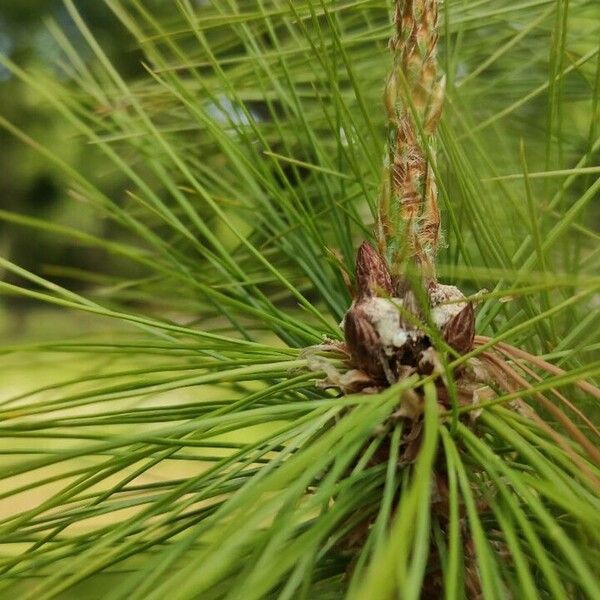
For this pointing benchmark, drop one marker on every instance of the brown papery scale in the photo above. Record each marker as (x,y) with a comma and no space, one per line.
(381,329)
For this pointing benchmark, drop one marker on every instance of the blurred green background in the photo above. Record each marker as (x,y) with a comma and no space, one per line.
(28,183)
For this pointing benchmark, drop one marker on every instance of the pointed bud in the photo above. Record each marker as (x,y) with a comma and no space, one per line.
(362,341)
(459,331)
(372,274)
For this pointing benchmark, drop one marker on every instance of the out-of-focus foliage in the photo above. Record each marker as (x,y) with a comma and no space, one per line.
(29,184)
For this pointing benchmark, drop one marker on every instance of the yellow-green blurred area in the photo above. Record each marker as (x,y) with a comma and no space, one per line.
(32,186)
(29,184)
